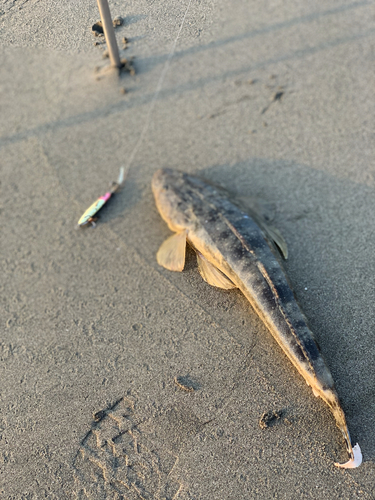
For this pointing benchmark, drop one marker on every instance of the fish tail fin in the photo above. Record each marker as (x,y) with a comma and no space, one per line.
(355,459)
(354,452)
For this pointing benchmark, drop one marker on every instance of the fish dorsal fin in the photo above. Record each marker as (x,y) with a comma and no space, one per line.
(172,251)
(263,213)
(274,234)
(262,209)
(212,275)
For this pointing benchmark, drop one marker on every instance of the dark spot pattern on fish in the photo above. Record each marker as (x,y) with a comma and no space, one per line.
(285,293)
(311,348)
(298,351)
(224,235)
(211,215)
(238,252)
(299,324)
(267,297)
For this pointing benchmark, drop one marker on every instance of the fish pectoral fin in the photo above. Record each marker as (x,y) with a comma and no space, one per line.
(212,275)
(172,251)
(277,238)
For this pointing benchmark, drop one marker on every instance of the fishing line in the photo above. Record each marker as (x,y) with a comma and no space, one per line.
(89,214)
(156,93)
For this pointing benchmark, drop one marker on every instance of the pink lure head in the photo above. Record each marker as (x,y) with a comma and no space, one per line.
(106,197)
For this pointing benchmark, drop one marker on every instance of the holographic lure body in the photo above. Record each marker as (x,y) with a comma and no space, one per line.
(89,214)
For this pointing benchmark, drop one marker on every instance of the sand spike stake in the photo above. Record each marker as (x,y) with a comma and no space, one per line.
(109,33)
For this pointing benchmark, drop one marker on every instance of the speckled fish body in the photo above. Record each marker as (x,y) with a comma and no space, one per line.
(231,240)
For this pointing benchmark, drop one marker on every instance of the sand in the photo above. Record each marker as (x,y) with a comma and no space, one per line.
(274,100)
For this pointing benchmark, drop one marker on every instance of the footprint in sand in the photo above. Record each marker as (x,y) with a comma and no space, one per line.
(116,460)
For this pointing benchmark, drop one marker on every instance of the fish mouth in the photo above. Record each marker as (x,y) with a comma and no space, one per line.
(158,179)
(166,187)
(162,180)
(161,189)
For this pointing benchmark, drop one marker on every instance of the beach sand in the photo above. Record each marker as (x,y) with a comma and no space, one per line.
(120,379)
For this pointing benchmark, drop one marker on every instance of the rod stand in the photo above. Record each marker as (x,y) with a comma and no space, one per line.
(109,33)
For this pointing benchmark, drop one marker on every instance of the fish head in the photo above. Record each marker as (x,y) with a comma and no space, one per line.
(173,198)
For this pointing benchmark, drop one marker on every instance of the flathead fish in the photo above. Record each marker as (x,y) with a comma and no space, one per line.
(236,248)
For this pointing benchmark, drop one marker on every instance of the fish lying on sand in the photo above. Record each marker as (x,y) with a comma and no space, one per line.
(236,249)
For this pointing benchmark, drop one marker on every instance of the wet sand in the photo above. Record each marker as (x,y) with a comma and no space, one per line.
(273,100)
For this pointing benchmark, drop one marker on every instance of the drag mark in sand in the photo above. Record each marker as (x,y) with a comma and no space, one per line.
(9,5)
(117,460)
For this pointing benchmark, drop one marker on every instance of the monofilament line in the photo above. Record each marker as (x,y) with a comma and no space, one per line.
(157,91)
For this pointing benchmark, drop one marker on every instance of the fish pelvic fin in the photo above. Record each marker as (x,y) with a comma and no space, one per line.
(212,275)
(172,252)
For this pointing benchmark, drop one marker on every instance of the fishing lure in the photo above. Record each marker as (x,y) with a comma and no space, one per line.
(88,216)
